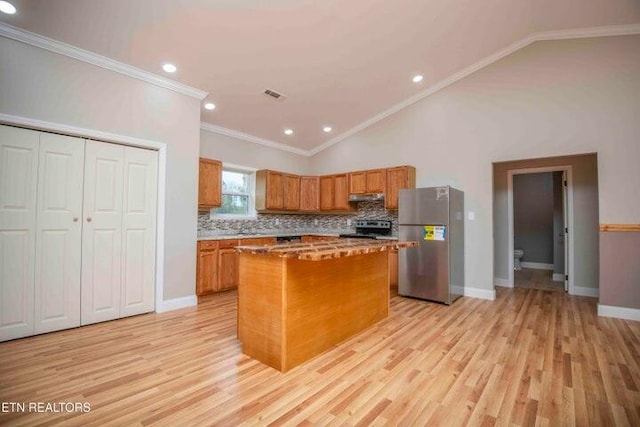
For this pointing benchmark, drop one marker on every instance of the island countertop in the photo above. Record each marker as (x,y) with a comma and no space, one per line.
(317,251)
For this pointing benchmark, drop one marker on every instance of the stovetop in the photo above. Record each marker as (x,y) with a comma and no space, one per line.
(370,229)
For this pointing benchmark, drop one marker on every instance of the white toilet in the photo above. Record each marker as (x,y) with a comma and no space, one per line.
(517,257)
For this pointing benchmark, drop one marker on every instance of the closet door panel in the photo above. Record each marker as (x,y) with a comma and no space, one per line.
(102,232)
(58,233)
(139,231)
(18,184)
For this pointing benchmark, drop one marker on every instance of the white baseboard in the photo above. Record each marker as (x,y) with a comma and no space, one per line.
(558,277)
(499,281)
(488,294)
(619,312)
(537,265)
(585,292)
(177,303)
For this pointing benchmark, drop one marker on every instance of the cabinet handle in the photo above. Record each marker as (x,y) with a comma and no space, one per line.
(75,219)
(88,219)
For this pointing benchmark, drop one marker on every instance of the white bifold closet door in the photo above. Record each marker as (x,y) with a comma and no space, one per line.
(118,239)
(58,233)
(18,189)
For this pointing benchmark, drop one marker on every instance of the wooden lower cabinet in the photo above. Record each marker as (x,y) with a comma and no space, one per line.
(227,265)
(207,267)
(217,266)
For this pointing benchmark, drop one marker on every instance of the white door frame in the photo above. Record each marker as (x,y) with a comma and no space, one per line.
(568,169)
(160,147)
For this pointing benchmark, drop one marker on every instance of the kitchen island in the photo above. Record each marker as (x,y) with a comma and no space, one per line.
(297,300)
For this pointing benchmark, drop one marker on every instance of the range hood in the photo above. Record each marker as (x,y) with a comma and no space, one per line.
(366,197)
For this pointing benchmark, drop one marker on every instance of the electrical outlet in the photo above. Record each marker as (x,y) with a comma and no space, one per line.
(277,221)
(315,221)
(348,222)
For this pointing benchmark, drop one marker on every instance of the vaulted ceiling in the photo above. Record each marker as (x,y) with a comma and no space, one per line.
(339,62)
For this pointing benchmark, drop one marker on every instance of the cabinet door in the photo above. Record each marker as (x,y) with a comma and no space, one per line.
(58,233)
(275,191)
(18,183)
(309,193)
(397,178)
(326,193)
(291,186)
(227,269)
(210,183)
(138,231)
(341,192)
(102,232)
(376,179)
(207,271)
(357,182)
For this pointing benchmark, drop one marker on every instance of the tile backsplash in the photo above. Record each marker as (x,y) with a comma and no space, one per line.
(263,222)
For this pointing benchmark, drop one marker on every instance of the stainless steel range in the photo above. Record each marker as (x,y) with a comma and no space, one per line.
(370,229)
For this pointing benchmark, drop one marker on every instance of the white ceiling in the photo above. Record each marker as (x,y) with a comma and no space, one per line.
(340,62)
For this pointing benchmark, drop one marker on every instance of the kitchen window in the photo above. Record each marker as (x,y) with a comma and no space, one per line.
(238,194)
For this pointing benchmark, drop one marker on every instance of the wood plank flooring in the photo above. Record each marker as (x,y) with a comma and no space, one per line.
(530,357)
(536,279)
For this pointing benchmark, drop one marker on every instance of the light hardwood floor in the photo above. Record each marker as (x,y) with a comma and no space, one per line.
(528,358)
(536,279)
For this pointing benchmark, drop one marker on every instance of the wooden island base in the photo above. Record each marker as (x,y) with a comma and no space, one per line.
(290,310)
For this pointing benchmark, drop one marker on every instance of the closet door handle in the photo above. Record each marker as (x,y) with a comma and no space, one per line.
(75,219)
(88,219)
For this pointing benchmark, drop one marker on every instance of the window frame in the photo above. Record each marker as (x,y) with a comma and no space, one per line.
(251,192)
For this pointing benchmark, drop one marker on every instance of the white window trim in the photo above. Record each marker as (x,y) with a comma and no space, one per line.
(252,193)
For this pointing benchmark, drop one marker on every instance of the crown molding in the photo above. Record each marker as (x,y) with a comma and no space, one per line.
(44,125)
(251,138)
(65,49)
(577,33)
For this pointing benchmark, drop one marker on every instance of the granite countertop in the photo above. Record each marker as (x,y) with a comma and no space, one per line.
(216,235)
(318,251)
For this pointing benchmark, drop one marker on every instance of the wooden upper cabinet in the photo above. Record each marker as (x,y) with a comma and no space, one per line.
(277,191)
(341,192)
(358,182)
(367,182)
(210,184)
(398,178)
(309,193)
(334,193)
(291,189)
(326,193)
(269,190)
(376,180)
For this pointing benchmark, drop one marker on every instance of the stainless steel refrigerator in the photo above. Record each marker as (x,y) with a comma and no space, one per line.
(434,270)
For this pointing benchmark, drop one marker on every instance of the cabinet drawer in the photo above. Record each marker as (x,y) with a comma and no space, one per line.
(222,244)
(256,241)
(207,245)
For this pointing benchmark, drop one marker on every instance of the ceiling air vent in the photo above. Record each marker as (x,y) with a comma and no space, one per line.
(275,95)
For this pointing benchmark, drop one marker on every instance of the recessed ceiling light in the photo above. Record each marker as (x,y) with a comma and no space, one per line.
(327,129)
(169,68)
(417,79)
(210,106)
(288,132)
(7,7)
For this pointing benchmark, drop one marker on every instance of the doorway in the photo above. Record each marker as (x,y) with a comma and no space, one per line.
(540,206)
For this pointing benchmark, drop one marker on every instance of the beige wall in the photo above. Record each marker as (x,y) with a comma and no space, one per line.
(551,98)
(38,84)
(243,153)
(620,272)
